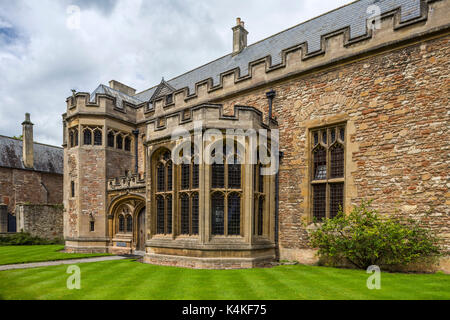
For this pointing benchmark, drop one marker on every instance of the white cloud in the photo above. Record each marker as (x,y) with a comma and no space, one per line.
(134,41)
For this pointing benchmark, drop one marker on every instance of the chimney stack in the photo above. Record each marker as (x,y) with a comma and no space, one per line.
(239,37)
(27,142)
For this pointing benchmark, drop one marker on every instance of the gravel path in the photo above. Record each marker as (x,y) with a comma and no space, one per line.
(59,262)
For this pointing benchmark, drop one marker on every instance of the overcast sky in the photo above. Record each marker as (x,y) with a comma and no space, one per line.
(44,53)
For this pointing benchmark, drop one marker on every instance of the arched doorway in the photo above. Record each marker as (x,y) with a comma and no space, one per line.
(140,235)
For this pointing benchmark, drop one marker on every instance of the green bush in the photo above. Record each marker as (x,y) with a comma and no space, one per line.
(364,238)
(23,239)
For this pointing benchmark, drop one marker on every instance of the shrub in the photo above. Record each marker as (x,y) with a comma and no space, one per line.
(23,238)
(364,238)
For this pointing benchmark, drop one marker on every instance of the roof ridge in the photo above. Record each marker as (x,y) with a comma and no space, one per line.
(34,142)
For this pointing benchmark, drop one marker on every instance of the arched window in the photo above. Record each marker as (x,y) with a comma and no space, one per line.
(194,213)
(164,192)
(87,137)
(119,141)
(188,197)
(98,137)
(328,162)
(127,144)
(121,223)
(226,190)
(129,223)
(111,139)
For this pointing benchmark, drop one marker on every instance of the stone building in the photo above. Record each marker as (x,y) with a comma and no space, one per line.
(353,106)
(31,185)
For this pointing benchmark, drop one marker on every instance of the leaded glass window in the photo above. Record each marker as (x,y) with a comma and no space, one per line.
(328,171)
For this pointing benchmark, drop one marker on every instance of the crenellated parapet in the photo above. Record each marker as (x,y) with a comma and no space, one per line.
(102,104)
(340,40)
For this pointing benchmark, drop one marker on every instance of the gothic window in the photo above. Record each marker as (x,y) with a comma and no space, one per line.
(226,191)
(328,166)
(87,137)
(119,141)
(127,144)
(92,226)
(129,223)
(111,139)
(98,138)
(121,223)
(164,190)
(72,189)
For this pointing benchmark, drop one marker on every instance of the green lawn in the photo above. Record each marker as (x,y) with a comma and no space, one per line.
(129,279)
(26,254)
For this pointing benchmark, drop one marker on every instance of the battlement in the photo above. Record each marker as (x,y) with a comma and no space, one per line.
(80,103)
(394,28)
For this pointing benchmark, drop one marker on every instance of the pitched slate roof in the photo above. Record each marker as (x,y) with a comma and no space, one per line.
(46,158)
(353,15)
(120,96)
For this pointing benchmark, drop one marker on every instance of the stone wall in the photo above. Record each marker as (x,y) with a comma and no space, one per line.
(27,186)
(396,108)
(44,221)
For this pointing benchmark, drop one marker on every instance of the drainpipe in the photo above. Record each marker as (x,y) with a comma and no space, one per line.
(277,205)
(136,155)
(270,96)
